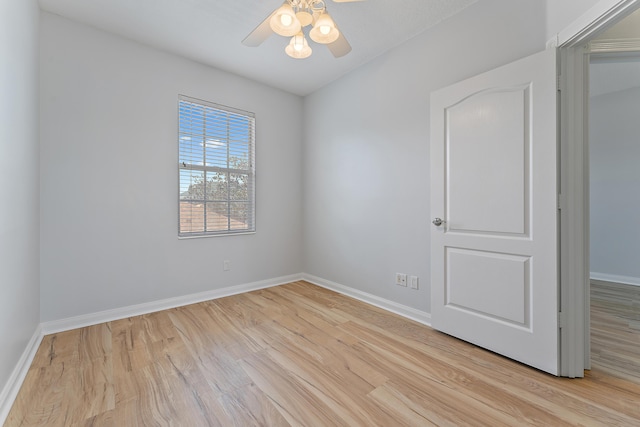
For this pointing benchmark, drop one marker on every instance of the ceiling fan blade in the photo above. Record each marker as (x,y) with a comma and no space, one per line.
(260,34)
(340,47)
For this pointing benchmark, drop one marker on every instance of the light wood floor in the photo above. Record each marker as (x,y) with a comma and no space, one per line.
(615,329)
(298,355)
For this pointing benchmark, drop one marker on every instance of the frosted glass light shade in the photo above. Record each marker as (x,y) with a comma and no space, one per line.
(298,47)
(324,30)
(284,21)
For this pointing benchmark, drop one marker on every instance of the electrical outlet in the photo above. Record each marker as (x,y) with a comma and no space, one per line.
(401,279)
(413,282)
(226,265)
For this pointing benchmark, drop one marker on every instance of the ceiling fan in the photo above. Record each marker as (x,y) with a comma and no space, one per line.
(291,20)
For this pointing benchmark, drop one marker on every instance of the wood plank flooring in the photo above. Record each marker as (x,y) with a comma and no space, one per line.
(615,329)
(298,355)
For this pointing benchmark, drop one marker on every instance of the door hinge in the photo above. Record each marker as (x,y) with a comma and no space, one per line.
(560,202)
(562,320)
(559,82)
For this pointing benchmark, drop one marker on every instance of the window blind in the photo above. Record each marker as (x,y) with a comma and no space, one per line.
(216,169)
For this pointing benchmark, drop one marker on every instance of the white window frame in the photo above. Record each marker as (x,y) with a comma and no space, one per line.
(204,167)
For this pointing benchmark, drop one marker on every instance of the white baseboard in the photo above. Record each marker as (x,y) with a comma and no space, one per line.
(627,280)
(13,384)
(67,324)
(402,310)
(70,323)
(11,388)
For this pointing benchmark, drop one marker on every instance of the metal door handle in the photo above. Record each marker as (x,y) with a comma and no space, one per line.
(437,222)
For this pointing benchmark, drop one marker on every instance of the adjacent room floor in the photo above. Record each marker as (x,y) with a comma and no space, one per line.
(615,329)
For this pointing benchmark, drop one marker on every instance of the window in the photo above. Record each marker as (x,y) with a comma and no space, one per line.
(217,169)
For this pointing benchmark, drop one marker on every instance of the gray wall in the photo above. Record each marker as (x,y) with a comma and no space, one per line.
(562,13)
(366,152)
(614,139)
(19,170)
(109,185)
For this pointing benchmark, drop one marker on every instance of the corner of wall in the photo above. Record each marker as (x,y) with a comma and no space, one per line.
(11,388)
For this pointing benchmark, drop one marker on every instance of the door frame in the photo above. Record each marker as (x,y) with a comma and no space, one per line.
(573,200)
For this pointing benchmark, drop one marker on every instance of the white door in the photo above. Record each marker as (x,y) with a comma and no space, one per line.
(494,256)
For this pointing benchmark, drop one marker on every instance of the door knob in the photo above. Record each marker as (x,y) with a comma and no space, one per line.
(437,222)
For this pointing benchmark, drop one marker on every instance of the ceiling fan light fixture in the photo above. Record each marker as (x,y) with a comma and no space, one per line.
(324,31)
(304,17)
(298,47)
(284,22)
(290,19)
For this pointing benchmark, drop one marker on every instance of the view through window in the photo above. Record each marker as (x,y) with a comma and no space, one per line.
(217,169)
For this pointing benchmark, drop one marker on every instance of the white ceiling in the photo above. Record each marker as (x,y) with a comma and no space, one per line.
(211,31)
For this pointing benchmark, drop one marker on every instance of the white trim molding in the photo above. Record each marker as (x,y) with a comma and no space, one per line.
(81,321)
(626,280)
(601,15)
(385,304)
(90,319)
(13,384)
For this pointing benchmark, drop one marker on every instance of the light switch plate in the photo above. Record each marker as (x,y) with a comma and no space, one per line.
(413,282)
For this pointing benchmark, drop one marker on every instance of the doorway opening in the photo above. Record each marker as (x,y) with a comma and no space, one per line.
(614,180)
(588,38)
